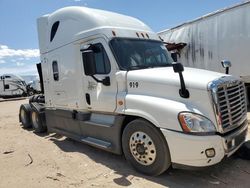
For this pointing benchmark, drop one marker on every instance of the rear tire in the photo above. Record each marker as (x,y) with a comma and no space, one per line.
(37,122)
(24,115)
(31,99)
(145,148)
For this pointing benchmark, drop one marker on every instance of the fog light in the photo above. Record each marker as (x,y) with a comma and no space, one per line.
(210,152)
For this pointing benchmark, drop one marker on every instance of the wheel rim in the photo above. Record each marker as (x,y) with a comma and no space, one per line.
(23,116)
(31,93)
(35,120)
(142,148)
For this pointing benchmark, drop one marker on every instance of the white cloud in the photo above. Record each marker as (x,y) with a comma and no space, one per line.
(3,47)
(77,0)
(23,70)
(6,52)
(19,64)
(2,61)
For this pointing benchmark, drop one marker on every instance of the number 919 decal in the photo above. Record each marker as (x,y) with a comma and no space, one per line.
(133,84)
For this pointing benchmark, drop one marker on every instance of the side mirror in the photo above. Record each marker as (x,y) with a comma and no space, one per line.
(226,64)
(89,62)
(178,67)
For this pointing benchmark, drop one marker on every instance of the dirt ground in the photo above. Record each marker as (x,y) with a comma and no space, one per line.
(50,160)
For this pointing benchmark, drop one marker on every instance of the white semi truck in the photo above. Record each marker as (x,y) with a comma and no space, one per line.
(109,81)
(34,87)
(12,86)
(206,41)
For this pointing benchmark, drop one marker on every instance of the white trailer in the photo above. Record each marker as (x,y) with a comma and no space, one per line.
(12,86)
(224,34)
(109,81)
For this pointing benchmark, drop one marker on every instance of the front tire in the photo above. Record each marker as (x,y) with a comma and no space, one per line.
(145,148)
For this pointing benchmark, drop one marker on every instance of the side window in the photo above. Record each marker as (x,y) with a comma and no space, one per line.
(101,59)
(7,86)
(54,30)
(55,70)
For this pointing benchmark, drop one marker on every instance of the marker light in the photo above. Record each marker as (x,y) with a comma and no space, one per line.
(210,153)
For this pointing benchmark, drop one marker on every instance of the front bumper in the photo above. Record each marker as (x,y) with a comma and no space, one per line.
(190,150)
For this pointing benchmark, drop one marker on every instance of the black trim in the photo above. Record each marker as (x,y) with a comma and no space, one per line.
(80,115)
(40,73)
(192,133)
(82,127)
(54,30)
(38,107)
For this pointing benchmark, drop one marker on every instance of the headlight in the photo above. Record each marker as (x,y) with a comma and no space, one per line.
(195,123)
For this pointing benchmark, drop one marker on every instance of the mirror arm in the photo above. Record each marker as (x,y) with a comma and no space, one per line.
(105,81)
(184,93)
(178,68)
(99,81)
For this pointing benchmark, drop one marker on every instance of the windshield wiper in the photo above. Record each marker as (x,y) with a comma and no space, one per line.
(152,65)
(135,67)
(162,65)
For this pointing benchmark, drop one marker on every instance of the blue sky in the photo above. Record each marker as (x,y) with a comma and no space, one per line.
(18,35)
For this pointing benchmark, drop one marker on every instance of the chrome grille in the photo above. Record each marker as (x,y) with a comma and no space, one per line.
(230,103)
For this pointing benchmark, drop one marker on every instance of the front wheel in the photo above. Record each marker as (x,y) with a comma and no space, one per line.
(145,148)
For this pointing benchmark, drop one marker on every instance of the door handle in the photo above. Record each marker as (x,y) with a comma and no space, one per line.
(87,96)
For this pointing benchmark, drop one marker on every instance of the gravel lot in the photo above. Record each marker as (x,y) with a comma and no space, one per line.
(50,160)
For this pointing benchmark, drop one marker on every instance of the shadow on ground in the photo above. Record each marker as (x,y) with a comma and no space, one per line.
(232,172)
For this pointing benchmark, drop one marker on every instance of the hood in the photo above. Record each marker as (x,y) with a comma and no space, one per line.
(194,78)
(165,83)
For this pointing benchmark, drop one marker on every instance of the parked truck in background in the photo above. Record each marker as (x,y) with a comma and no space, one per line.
(108,81)
(203,43)
(12,86)
(33,87)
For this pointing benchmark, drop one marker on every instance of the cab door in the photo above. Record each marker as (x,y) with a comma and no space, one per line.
(101,97)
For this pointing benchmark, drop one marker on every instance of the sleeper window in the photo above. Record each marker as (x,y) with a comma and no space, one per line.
(55,70)
(54,30)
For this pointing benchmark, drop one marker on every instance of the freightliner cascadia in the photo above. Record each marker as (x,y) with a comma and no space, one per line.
(109,81)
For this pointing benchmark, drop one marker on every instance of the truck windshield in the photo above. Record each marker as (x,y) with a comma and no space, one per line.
(133,54)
